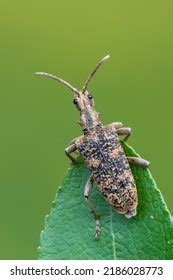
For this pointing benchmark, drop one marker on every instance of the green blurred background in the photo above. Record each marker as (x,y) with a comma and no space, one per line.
(37,116)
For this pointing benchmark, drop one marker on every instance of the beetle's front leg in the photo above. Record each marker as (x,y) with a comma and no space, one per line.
(139,161)
(116,125)
(70,149)
(127,131)
(121,130)
(87,192)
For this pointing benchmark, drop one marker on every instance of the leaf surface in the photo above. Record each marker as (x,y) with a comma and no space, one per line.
(69,228)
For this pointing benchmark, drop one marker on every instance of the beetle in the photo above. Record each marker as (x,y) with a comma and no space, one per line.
(101,148)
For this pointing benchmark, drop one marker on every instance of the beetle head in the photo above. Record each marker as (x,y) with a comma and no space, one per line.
(89,118)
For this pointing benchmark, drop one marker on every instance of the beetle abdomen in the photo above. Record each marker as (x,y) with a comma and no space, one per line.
(105,158)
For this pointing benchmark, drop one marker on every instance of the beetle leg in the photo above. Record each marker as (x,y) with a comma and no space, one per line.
(74,140)
(87,192)
(139,161)
(124,131)
(70,149)
(88,187)
(116,125)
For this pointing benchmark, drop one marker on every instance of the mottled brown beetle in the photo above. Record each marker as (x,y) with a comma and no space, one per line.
(102,151)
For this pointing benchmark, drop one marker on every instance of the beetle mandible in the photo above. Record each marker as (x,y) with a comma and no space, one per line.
(102,151)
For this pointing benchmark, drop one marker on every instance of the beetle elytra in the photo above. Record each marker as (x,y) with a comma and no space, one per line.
(102,151)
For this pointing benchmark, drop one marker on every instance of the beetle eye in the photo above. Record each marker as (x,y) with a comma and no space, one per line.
(75,101)
(90,96)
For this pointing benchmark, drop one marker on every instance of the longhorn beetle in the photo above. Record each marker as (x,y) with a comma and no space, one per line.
(102,151)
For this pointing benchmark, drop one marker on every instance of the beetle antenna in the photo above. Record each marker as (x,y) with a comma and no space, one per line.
(57,79)
(93,72)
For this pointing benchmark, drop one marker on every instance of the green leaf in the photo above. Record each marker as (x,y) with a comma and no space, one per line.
(69,228)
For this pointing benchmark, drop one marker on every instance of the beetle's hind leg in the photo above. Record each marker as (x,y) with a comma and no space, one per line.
(139,161)
(87,192)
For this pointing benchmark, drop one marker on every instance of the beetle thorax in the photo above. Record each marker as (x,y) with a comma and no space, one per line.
(89,119)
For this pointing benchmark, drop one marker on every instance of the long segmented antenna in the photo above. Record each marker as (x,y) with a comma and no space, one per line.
(93,72)
(59,80)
